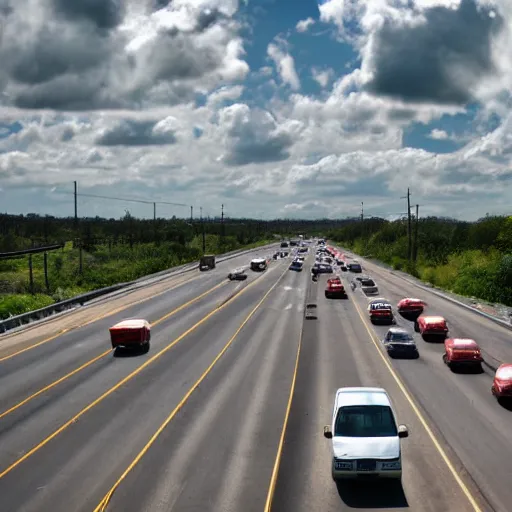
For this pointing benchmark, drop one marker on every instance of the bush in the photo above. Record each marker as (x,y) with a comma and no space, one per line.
(467,258)
(12,305)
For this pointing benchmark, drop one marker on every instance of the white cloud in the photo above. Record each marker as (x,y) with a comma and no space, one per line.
(322,76)
(303,25)
(183,125)
(438,134)
(285,65)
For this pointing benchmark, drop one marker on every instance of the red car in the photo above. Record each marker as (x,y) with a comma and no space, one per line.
(410,305)
(502,384)
(134,333)
(432,326)
(335,288)
(462,351)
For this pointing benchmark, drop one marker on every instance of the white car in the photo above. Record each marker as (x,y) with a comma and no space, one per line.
(365,435)
(258,264)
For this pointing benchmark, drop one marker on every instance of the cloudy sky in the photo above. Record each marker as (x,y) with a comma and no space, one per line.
(274,108)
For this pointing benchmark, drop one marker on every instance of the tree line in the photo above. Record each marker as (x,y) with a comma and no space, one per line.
(469,258)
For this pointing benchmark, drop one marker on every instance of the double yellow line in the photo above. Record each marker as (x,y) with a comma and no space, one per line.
(103,354)
(106,499)
(134,373)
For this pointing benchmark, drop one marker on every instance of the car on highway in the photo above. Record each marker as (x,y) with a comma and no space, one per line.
(258,264)
(410,307)
(355,267)
(134,333)
(502,382)
(207,262)
(321,268)
(380,311)
(432,326)
(335,289)
(369,287)
(296,265)
(365,437)
(237,275)
(400,343)
(462,352)
(341,265)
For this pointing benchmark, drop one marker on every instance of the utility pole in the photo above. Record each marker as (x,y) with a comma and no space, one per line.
(362,218)
(154,222)
(409,230)
(76,211)
(191,214)
(76,205)
(202,229)
(415,253)
(222,225)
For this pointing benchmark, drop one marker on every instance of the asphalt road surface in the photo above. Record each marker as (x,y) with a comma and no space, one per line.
(198,422)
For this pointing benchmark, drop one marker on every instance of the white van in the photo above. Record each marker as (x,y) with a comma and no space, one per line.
(365,435)
(258,264)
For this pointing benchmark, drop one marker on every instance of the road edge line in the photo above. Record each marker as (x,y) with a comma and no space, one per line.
(124,380)
(102,506)
(408,396)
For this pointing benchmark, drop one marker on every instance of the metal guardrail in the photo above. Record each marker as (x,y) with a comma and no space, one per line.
(35,250)
(39,314)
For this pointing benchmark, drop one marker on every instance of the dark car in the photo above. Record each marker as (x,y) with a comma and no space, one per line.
(355,267)
(296,265)
(321,268)
(399,343)
(369,287)
(237,275)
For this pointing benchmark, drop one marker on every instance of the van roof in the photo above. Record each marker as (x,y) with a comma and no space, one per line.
(361,396)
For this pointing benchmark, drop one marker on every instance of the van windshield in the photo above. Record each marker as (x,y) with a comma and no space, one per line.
(365,421)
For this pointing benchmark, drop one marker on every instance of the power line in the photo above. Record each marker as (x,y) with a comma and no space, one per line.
(124,199)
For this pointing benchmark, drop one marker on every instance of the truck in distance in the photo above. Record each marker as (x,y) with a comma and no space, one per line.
(207,262)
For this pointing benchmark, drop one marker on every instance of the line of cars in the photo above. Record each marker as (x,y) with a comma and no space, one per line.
(458,352)
(364,433)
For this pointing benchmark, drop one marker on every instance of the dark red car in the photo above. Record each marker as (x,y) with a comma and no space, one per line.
(432,326)
(411,305)
(134,333)
(335,288)
(462,352)
(502,384)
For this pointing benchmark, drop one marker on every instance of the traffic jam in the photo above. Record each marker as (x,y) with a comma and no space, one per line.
(458,352)
(364,432)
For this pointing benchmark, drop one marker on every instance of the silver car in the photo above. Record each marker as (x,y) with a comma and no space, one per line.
(365,435)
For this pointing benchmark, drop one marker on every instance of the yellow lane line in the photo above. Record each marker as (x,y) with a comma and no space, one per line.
(96,319)
(123,381)
(419,415)
(97,358)
(55,383)
(106,499)
(277,463)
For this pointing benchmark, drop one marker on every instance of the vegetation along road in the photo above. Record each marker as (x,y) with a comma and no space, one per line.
(226,411)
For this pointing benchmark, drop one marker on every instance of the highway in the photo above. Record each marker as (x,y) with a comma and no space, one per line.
(206,420)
